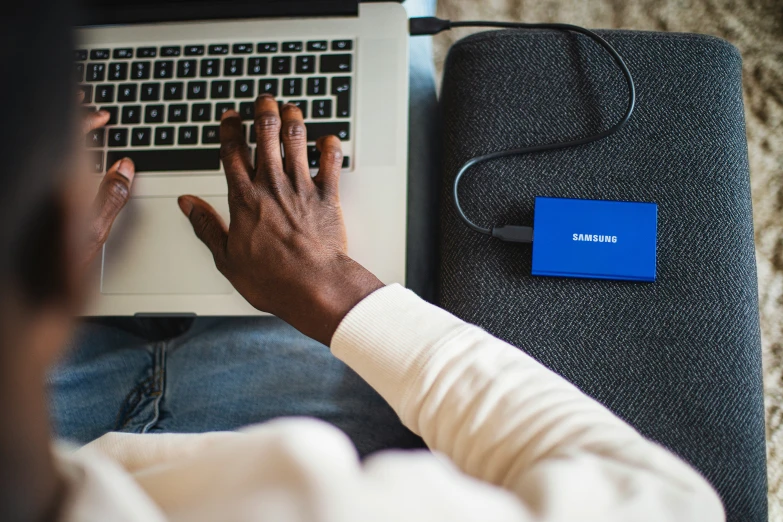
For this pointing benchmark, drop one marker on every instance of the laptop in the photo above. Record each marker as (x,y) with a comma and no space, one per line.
(167,69)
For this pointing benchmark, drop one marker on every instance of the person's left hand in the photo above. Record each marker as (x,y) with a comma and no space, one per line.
(113,193)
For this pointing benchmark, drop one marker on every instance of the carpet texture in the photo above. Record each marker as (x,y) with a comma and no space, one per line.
(756,28)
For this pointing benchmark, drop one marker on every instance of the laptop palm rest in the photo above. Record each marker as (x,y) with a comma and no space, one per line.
(153,250)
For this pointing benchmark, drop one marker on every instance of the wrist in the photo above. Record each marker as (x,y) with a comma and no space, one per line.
(339,289)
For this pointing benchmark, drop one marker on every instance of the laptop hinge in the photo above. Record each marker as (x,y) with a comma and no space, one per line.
(102,12)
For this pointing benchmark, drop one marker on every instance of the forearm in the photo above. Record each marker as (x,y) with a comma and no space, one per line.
(504,418)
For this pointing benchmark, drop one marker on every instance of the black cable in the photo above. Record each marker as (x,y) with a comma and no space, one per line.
(432,25)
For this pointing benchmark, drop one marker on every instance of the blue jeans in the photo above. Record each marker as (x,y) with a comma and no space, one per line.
(208,374)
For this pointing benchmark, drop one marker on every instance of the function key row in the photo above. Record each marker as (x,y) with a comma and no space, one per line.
(126,53)
(211,67)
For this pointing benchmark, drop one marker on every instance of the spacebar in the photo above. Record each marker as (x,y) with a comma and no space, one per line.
(169,160)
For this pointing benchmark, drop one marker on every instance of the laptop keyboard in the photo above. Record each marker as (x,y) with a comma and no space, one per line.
(166,101)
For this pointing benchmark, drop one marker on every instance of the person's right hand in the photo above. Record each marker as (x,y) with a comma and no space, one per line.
(285,249)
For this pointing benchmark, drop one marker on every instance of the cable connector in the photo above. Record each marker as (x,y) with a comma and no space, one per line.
(428,25)
(513,233)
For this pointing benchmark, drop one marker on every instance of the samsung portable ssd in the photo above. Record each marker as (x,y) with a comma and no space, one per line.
(595,239)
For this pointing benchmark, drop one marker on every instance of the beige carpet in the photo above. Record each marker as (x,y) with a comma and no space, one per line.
(756,28)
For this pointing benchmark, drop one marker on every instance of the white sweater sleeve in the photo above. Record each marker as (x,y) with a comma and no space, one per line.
(503,418)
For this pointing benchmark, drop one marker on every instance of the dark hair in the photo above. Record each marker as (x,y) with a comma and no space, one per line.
(39,95)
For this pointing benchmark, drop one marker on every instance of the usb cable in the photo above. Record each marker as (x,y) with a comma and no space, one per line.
(515,233)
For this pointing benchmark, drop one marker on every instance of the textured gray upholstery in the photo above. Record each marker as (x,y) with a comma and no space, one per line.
(680,359)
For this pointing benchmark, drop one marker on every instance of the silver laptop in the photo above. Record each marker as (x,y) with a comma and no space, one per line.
(167,69)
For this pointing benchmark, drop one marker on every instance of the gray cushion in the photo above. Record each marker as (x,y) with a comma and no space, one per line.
(680,359)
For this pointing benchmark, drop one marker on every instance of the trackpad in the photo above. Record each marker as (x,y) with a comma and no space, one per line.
(153,250)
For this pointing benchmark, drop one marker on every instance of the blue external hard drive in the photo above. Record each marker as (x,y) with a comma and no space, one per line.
(594,239)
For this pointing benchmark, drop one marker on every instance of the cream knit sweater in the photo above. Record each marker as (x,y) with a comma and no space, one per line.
(510,440)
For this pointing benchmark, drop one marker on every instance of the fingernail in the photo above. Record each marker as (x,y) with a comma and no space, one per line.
(185,206)
(125,168)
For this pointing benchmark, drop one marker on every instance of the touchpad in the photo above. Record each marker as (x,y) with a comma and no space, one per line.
(152,250)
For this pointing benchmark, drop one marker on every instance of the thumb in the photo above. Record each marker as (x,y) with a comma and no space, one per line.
(208,226)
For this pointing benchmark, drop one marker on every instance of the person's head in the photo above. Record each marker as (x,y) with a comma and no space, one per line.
(38,155)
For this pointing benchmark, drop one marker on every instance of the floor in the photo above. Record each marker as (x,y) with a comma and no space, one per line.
(756,28)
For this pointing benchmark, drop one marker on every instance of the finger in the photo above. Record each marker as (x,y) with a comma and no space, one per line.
(208,226)
(267,123)
(234,152)
(80,96)
(113,194)
(95,120)
(331,163)
(294,135)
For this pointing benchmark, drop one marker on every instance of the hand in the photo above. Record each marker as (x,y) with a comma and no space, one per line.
(113,193)
(285,250)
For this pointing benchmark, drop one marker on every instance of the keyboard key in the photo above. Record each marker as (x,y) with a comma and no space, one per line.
(281,65)
(316,86)
(112,115)
(194,50)
(268,87)
(343,105)
(126,92)
(96,138)
(186,69)
(140,71)
(318,45)
(104,94)
(302,104)
(242,48)
(341,129)
(341,84)
(118,72)
(79,69)
(147,52)
(292,87)
(173,90)
(150,92)
(141,137)
(244,89)
(313,156)
(87,90)
(80,55)
(188,135)
(218,49)
(99,54)
(234,67)
(118,138)
(170,160)
(267,47)
(210,134)
(305,64)
(346,162)
(247,110)
(292,47)
(197,90)
(210,67)
(201,112)
(220,108)
(171,51)
(131,114)
(178,113)
(153,114)
(164,136)
(336,63)
(322,108)
(256,66)
(220,89)
(164,69)
(96,72)
(125,53)
(342,45)
(96,161)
